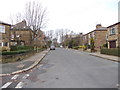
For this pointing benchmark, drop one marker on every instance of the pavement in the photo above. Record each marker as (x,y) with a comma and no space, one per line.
(22,66)
(104,56)
(108,57)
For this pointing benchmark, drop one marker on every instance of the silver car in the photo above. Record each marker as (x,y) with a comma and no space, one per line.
(52,47)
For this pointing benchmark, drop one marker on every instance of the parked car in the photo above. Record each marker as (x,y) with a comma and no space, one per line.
(52,47)
(61,46)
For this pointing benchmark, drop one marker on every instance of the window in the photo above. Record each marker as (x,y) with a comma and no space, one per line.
(0,44)
(2,29)
(17,36)
(112,31)
(106,36)
(88,35)
(12,36)
(93,34)
(5,43)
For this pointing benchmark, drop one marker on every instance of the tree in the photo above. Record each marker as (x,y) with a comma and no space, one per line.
(92,46)
(50,34)
(35,15)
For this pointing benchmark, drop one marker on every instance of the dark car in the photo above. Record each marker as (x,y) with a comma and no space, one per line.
(52,47)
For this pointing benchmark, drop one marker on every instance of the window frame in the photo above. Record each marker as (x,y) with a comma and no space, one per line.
(2,29)
(112,31)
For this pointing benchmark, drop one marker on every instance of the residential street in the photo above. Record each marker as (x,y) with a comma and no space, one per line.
(65,68)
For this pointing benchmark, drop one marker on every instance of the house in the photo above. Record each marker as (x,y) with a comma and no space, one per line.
(39,39)
(113,35)
(98,35)
(4,34)
(21,34)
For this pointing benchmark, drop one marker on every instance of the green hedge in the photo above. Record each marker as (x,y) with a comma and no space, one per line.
(14,52)
(113,51)
(76,47)
(15,48)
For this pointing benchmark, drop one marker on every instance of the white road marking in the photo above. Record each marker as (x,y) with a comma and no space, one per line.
(6,85)
(27,75)
(14,77)
(19,85)
(41,65)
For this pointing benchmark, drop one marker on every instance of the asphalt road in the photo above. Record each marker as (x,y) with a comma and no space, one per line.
(63,68)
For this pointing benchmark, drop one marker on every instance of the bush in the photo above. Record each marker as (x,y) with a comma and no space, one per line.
(15,48)
(105,45)
(83,47)
(14,52)
(76,47)
(4,48)
(113,51)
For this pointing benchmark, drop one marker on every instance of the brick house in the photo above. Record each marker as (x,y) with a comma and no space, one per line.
(99,36)
(113,35)
(39,40)
(4,34)
(21,34)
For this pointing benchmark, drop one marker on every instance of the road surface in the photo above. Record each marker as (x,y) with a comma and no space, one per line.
(65,68)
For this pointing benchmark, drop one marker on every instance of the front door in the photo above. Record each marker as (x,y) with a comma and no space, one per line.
(112,44)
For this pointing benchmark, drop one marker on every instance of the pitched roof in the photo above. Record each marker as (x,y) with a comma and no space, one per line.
(1,22)
(113,24)
(20,25)
(97,29)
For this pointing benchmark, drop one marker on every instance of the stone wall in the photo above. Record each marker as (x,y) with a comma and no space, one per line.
(16,57)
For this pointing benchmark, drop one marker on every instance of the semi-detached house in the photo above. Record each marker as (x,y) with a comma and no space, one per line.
(99,36)
(4,34)
(113,35)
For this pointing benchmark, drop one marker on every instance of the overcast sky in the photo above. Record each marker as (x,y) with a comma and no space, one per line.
(76,15)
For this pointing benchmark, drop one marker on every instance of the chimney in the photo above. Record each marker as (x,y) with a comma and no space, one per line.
(98,26)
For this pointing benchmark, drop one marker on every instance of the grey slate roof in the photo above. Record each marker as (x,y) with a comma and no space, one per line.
(20,25)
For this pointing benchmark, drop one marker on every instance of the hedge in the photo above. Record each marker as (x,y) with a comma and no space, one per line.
(14,52)
(20,51)
(76,47)
(15,48)
(113,51)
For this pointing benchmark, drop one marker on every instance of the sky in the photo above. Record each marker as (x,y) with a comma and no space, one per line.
(76,15)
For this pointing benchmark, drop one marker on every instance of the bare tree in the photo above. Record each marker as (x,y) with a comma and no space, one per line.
(62,33)
(35,15)
(19,17)
(50,34)
(15,18)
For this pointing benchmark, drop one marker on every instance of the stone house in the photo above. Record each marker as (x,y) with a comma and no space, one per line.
(21,34)
(99,36)
(113,35)
(4,34)
(39,39)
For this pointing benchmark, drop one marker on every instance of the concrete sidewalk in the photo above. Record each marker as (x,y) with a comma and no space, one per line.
(98,54)
(22,66)
(109,57)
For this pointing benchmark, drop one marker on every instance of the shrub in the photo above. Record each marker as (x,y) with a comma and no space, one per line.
(15,48)
(105,45)
(4,48)
(14,52)
(113,51)
(76,47)
(82,47)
